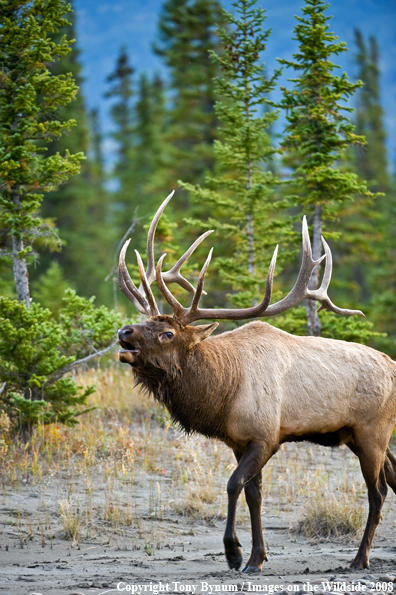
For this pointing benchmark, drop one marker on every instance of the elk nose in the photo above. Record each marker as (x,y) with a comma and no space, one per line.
(124,334)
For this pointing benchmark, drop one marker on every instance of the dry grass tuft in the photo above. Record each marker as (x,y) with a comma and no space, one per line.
(329,516)
(72,520)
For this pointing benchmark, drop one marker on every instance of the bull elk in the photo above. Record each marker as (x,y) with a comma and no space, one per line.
(257,387)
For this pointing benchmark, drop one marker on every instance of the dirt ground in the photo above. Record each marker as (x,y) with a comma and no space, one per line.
(159,536)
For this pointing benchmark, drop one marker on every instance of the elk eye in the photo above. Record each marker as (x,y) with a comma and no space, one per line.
(167,335)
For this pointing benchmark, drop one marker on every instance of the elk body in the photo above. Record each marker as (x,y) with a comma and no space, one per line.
(257,387)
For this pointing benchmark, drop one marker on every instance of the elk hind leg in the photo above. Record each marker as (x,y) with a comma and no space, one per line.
(390,469)
(250,464)
(372,462)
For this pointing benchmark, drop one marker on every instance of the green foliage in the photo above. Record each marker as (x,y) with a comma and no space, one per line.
(350,328)
(80,208)
(37,354)
(187,34)
(372,161)
(138,131)
(240,193)
(318,134)
(50,287)
(318,131)
(30,97)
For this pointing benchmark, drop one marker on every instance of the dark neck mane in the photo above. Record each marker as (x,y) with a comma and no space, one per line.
(198,390)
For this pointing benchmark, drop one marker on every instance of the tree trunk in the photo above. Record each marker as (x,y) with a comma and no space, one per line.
(21,275)
(313,322)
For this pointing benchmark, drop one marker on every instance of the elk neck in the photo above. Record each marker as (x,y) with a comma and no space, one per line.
(198,387)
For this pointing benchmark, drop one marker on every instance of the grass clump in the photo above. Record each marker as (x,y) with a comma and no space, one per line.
(328,516)
(72,520)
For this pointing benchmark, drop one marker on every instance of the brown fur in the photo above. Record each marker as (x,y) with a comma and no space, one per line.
(257,387)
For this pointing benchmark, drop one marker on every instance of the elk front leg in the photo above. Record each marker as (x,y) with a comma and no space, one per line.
(253,493)
(250,464)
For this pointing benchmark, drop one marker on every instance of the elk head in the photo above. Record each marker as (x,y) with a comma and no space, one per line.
(162,339)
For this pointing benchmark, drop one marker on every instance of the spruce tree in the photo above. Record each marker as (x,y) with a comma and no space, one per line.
(240,193)
(30,99)
(79,207)
(148,152)
(372,163)
(371,160)
(318,131)
(187,33)
(38,353)
(121,93)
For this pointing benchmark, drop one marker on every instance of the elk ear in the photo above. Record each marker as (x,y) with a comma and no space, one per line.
(203,331)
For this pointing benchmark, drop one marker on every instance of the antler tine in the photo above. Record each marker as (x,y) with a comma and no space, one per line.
(270,278)
(172,301)
(194,313)
(299,292)
(201,280)
(128,287)
(146,286)
(328,266)
(173,276)
(150,271)
(321,293)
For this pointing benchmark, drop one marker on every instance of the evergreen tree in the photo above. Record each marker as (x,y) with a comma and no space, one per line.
(371,160)
(240,194)
(96,153)
(187,33)
(36,352)
(318,132)
(149,152)
(372,163)
(77,207)
(30,98)
(121,112)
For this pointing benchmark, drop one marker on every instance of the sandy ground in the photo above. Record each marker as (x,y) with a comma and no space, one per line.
(179,551)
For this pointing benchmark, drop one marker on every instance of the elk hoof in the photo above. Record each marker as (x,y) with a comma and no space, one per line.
(234,560)
(358,563)
(251,570)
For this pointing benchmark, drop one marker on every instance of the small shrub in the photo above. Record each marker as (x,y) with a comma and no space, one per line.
(37,353)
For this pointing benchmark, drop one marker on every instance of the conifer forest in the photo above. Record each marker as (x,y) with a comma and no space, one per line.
(205,125)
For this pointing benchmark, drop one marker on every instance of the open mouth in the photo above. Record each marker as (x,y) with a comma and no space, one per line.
(128,347)
(128,354)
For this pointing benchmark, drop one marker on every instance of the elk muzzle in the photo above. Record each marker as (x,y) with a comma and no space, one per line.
(129,353)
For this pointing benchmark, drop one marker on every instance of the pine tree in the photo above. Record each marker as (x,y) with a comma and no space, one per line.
(77,207)
(371,159)
(318,132)
(37,353)
(372,163)
(187,33)
(148,152)
(240,194)
(121,93)
(96,154)
(30,99)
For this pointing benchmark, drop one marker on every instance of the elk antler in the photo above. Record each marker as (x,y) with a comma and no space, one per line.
(299,292)
(143,298)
